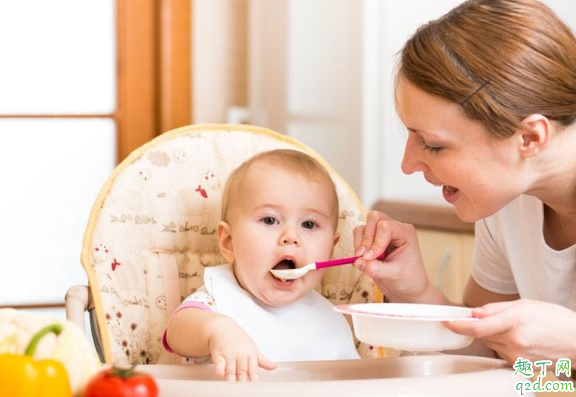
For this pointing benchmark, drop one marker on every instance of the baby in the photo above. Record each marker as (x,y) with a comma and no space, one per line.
(279,211)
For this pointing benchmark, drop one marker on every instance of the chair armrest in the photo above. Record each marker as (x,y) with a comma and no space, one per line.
(77,303)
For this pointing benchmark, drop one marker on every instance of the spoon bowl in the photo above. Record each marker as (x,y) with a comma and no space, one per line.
(292,274)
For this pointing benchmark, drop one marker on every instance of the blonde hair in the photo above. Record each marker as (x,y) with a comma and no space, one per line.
(501,60)
(288,159)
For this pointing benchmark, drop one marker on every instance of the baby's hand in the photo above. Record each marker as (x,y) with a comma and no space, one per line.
(235,355)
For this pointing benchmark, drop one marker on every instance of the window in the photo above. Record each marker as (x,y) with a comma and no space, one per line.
(83,84)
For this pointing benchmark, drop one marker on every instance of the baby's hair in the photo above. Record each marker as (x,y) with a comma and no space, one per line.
(501,60)
(292,160)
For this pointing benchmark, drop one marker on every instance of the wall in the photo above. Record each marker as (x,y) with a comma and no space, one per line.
(219,58)
(397,21)
(306,76)
(321,71)
(304,71)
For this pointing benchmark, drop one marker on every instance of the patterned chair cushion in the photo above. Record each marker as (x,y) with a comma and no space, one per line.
(161,205)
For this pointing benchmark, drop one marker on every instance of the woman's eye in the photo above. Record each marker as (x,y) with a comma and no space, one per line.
(431,149)
(268,220)
(308,225)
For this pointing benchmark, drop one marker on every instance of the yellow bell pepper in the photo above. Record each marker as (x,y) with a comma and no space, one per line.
(22,376)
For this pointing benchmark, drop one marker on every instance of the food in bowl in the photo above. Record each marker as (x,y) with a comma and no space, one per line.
(408,326)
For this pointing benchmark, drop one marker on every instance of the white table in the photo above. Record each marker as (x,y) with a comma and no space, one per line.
(424,375)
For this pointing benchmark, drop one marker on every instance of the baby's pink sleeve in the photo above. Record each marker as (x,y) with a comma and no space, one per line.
(200,299)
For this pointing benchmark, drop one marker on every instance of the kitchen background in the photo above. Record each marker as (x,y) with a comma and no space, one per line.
(85,82)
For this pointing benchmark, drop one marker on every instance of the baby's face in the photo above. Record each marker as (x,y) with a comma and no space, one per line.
(285,220)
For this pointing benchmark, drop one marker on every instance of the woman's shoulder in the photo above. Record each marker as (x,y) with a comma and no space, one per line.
(521,216)
(522,207)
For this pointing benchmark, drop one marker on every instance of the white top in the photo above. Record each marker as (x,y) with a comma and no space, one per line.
(512,257)
(306,330)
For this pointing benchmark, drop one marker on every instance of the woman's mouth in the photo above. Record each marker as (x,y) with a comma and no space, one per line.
(450,193)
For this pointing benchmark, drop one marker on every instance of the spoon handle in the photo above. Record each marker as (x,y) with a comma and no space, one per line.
(342,261)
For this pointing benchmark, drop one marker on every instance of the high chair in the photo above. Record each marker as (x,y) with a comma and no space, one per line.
(152,231)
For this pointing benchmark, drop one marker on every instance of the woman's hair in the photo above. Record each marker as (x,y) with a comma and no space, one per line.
(291,160)
(501,60)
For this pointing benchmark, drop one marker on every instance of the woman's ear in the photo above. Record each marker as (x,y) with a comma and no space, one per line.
(535,137)
(225,241)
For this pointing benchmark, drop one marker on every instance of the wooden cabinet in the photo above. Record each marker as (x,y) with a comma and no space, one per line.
(447,257)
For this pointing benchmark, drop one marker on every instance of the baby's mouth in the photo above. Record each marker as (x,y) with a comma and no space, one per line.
(284,265)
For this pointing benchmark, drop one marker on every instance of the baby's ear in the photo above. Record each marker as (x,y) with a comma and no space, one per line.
(336,238)
(225,241)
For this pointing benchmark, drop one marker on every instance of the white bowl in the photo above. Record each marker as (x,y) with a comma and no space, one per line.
(408,326)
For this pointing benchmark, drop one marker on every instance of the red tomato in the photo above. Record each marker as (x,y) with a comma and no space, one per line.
(119,382)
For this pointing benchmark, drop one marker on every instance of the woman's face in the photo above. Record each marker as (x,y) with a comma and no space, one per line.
(478,173)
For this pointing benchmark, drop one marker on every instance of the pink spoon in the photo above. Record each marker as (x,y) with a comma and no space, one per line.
(291,274)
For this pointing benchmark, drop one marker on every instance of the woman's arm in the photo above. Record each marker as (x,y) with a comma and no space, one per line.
(476,296)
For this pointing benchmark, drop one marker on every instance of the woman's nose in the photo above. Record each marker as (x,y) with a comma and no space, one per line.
(410,162)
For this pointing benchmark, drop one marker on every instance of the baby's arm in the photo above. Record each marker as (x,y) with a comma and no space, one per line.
(194,332)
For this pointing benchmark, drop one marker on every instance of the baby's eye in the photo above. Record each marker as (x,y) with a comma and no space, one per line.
(268,220)
(308,224)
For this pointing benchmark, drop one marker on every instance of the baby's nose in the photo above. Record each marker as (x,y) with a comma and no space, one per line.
(290,237)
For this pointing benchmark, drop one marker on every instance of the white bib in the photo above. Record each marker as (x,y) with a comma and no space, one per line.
(306,330)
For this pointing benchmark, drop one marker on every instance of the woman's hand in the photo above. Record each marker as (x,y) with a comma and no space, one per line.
(523,328)
(401,276)
(235,355)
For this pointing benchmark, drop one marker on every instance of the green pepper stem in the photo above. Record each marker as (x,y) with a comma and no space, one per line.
(55,328)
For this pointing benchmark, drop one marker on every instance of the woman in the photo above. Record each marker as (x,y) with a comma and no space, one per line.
(488,96)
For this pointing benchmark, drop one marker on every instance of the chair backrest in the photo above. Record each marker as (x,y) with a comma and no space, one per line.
(152,231)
